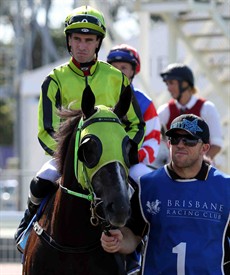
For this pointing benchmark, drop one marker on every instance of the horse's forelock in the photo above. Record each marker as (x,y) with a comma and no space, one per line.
(63,136)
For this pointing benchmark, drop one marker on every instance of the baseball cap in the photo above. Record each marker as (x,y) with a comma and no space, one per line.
(192,124)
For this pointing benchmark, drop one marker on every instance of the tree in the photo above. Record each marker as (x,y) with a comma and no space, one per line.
(6,121)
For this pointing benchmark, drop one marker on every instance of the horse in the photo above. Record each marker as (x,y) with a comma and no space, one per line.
(93,155)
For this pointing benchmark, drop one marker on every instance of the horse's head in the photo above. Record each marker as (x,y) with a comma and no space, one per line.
(103,153)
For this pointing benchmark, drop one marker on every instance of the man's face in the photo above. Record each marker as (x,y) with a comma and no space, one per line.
(83,46)
(184,156)
(125,68)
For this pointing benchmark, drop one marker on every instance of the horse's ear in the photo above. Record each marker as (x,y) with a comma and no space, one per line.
(123,104)
(88,102)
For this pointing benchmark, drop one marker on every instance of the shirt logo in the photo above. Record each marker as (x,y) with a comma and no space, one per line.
(153,207)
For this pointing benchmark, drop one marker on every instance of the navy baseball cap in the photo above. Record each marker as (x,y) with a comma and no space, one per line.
(192,124)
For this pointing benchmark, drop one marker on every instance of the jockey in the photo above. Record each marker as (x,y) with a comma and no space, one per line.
(127,59)
(180,82)
(84,30)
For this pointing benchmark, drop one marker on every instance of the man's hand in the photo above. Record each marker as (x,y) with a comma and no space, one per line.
(120,240)
(111,242)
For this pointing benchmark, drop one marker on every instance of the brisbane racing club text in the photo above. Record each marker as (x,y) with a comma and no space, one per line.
(194,209)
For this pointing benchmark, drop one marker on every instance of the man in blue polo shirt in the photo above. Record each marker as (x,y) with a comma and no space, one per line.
(185,207)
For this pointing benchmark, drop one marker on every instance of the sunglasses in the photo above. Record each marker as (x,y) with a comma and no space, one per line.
(187,140)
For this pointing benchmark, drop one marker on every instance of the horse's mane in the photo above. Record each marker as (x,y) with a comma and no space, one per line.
(63,136)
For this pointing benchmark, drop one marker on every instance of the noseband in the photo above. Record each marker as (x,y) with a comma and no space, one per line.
(94,203)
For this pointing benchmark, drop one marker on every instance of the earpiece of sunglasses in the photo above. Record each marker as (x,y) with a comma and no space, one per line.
(187,140)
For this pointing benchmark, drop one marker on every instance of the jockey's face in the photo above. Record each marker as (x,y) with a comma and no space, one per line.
(83,46)
(125,68)
(173,88)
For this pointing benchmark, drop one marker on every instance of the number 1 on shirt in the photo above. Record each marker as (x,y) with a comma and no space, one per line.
(180,250)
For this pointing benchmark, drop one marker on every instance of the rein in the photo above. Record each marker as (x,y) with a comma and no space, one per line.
(95,202)
(95,221)
(89,197)
(67,249)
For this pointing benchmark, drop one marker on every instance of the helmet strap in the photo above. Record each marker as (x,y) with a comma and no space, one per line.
(134,71)
(67,44)
(181,90)
(99,46)
(131,78)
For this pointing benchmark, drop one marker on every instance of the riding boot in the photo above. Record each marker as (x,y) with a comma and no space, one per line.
(39,189)
(28,215)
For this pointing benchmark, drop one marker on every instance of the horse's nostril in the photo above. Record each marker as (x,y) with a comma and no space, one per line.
(113,208)
(110,207)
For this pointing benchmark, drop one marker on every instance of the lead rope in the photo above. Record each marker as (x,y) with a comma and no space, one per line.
(119,258)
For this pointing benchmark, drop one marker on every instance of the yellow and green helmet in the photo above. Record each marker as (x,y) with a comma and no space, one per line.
(85,20)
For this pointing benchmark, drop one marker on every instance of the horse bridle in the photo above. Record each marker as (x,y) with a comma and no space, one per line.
(95,218)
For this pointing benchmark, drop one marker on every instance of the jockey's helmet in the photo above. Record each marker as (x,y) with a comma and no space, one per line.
(85,20)
(125,53)
(179,72)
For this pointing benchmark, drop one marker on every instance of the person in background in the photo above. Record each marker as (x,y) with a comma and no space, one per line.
(126,58)
(180,82)
(184,207)
(84,30)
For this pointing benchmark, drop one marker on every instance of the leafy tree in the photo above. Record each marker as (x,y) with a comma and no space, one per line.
(6,121)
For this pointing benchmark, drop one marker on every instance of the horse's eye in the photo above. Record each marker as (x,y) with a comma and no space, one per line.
(130,151)
(90,151)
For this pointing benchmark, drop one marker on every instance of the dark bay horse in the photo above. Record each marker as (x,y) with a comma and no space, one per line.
(93,157)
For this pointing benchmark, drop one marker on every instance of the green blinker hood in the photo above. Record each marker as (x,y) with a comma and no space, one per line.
(106,126)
